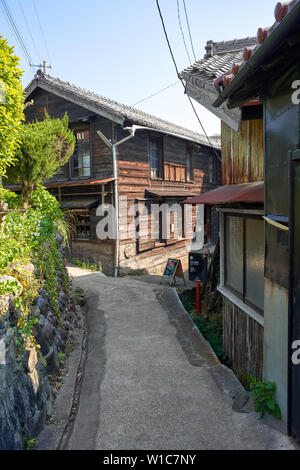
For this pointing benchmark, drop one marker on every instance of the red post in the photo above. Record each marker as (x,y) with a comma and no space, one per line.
(198,297)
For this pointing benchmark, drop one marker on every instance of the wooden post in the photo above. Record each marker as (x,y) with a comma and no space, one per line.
(198,297)
(102,195)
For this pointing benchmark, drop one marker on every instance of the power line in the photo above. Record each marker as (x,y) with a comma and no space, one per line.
(29,31)
(189,29)
(156,93)
(182,33)
(42,31)
(178,75)
(15,30)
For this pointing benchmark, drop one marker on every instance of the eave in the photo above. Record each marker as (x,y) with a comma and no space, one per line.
(69,96)
(241,83)
(206,98)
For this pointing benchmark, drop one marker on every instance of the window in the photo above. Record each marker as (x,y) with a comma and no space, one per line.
(244,256)
(156,156)
(189,167)
(174,172)
(82,230)
(144,241)
(81,159)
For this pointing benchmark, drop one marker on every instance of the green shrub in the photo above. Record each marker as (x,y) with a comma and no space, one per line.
(11,111)
(95,267)
(45,146)
(264,397)
(30,237)
(211,325)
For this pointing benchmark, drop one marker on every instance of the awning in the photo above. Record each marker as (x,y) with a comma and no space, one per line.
(247,192)
(80,203)
(170,194)
(60,184)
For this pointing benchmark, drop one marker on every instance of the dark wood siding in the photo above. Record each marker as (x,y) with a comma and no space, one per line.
(243,341)
(134,181)
(101,161)
(133,177)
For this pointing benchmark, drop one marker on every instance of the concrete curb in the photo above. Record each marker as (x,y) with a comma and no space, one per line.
(225,379)
(230,386)
(210,352)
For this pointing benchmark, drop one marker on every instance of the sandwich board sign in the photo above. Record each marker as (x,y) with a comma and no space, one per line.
(173,270)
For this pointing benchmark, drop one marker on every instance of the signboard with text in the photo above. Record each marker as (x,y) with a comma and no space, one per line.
(197,267)
(173,269)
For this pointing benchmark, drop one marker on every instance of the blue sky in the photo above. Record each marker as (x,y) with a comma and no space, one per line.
(117,48)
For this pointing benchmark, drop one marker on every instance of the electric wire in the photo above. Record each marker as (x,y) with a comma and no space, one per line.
(29,31)
(182,32)
(189,29)
(13,26)
(180,78)
(156,93)
(42,31)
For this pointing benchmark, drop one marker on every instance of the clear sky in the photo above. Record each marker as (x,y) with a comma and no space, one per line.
(117,48)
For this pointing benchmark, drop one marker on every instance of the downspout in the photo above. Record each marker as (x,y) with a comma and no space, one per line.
(116,188)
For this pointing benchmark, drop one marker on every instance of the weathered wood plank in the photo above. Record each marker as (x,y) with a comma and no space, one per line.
(243,341)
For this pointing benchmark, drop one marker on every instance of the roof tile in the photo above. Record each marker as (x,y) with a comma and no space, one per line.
(225,54)
(119,110)
(281,10)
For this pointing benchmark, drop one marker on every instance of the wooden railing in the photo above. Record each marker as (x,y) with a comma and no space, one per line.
(174,172)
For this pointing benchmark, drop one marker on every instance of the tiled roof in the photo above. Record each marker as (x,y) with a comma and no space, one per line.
(114,109)
(282,9)
(219,59)
(203,72)
(228,47)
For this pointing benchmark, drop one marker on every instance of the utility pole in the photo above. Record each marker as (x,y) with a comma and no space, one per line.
(43,66)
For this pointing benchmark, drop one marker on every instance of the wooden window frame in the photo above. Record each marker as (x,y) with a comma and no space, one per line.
(190,155)
(78,129)
(232,294)
(179,172)
(160,140)
(142,245)
(84,213)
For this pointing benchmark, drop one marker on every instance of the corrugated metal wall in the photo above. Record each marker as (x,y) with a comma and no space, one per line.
(243,153)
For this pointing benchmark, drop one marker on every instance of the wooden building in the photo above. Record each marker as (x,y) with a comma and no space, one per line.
(126,156)
(272,73)
(240,203)
(269,72)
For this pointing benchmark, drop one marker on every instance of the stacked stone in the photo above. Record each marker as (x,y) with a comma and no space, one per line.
(26,396)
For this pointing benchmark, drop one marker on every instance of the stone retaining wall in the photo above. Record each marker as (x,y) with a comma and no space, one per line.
(26,395)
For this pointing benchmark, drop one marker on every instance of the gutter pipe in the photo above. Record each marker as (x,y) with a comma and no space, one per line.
(116,188)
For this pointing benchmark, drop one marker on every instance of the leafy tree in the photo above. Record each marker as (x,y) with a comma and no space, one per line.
(45,147)
(11,104)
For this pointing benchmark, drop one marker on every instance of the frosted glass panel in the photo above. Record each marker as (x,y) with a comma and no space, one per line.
(234,253)
(86,161)
(255,257)
(86,172)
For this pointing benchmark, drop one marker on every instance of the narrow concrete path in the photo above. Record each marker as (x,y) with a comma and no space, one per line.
(147,383)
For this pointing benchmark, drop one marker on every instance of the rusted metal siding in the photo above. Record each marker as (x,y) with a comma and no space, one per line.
(243,341)
(243,153)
